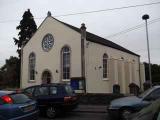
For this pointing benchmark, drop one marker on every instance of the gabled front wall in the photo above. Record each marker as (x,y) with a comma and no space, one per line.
(51,60)
(122,71)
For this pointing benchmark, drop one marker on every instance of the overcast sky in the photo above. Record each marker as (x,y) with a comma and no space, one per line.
(104,24)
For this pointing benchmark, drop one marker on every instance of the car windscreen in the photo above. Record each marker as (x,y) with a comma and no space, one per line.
(147,111)
(145,93)
(19,98)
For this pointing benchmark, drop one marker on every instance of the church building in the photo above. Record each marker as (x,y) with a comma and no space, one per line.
(61,53)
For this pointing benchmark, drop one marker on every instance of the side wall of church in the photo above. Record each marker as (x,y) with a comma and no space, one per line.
(123,69)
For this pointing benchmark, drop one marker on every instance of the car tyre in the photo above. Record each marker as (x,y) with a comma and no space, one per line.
(125,114)
(51,112)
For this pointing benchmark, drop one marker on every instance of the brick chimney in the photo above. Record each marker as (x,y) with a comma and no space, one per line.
(49,14)
(83,31)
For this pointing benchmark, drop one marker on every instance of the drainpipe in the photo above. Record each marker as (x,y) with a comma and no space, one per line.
(83,38)
(140,81)
(21,67)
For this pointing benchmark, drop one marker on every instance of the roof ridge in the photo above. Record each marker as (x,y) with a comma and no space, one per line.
(92,37)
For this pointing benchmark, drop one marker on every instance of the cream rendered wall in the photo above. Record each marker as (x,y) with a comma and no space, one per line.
(63,35)
(117,69)
(142,71)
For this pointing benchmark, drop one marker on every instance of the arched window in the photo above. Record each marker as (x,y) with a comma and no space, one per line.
(65,55)
(32,61)
(105,64)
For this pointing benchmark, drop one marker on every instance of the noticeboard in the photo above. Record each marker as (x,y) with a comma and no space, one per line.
(77,83)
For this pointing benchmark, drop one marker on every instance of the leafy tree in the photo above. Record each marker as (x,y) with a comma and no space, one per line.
(10,72)
(155,72)
(27,28)
(1,78)
(11,69)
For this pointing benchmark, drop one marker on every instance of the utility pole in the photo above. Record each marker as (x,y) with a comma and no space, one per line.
(146,17)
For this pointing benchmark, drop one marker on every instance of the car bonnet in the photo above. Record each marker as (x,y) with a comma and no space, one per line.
(131,100)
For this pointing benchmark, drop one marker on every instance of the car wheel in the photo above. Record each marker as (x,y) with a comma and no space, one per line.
(125,114)
(51,112)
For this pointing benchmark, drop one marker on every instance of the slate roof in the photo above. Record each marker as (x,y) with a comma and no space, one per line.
(97,39)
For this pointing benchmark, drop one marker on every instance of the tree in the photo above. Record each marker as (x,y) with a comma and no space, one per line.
(155,72)
(10,72)
(27,28)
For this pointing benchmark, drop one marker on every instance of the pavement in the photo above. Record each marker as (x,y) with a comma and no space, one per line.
(91,108)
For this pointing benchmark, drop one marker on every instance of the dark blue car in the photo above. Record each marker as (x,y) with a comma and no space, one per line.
(17,106)
(53,99)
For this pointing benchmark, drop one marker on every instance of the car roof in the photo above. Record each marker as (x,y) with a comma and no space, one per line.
(50,84)
(5,92)
(54,84)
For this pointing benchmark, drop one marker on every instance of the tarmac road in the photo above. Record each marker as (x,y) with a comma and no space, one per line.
(84,112)
(80,116)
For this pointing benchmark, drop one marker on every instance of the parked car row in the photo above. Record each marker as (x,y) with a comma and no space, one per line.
(50,99)
(53,99)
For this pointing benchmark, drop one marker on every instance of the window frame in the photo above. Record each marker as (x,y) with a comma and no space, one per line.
(31,67)
(66,70)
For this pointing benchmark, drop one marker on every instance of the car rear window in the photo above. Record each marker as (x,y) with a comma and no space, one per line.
(19,98)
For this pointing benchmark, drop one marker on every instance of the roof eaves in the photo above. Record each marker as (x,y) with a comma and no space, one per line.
(97,39)
(92,37)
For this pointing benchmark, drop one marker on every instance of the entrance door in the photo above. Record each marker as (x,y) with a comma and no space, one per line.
(46,77)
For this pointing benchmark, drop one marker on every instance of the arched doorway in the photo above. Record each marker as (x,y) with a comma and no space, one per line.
(46,77)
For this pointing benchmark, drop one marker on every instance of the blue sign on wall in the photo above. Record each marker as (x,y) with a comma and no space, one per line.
(75,84)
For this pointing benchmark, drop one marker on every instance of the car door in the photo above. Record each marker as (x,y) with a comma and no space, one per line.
(41,95)
(56,97)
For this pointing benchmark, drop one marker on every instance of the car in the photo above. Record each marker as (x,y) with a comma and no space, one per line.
(17,106)
(151,112)
(121,108)
(53,99)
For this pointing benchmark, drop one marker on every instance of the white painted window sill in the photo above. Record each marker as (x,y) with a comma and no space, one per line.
(31,81)
(105,79)
(66,80)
